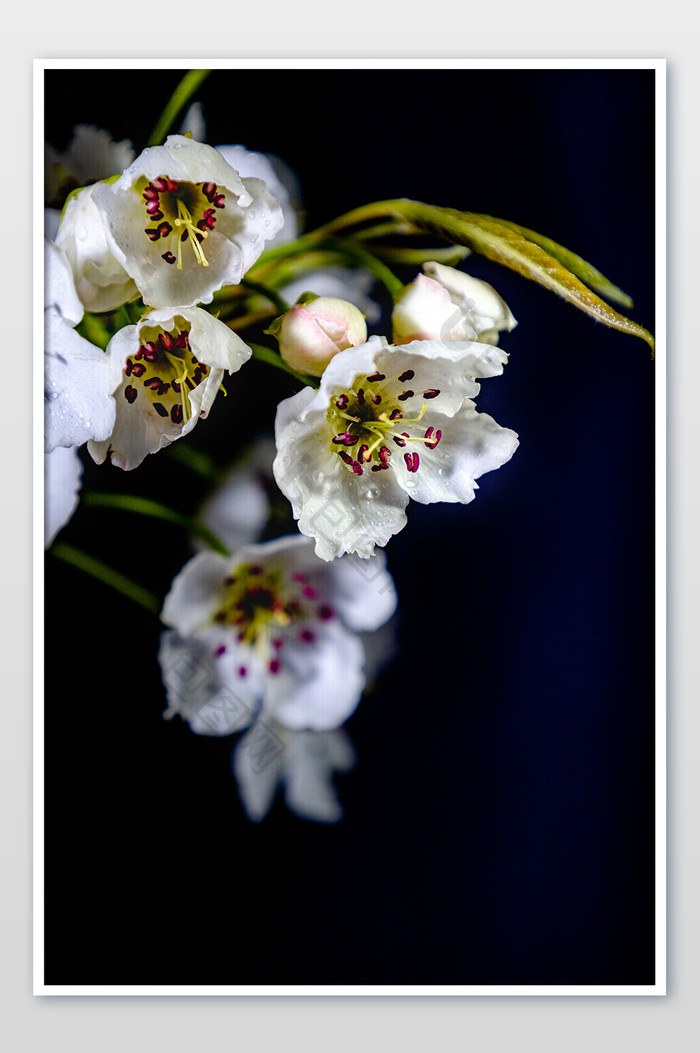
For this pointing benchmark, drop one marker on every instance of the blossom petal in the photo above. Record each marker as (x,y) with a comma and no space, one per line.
(471,444)
(205,690)
(318,685)
(310,760)
(63,472)
(196,593)
(78,384)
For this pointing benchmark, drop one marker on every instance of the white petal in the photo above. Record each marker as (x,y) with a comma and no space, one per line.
(487,309)
(63,472)
(204,689)
(196,593)
(279,179)
(212,342)
(319,684)
(256,764)
(101,281)
(472,443)
(78,385)
(309,762)
(362,590)
(426,311)
(59,288)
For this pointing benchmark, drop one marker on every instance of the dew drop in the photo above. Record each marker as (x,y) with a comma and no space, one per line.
(82,233)
(371,493)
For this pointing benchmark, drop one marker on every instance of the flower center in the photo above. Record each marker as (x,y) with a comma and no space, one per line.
(163,370)
(369,416)
(183,211)
(261,604)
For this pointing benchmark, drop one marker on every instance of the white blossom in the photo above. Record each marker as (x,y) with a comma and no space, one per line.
(182,222)
(79,379)
(447,304)
(171,365)
(386,424)
(272,632)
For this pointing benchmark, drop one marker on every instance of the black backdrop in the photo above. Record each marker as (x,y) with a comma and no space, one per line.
(499,823)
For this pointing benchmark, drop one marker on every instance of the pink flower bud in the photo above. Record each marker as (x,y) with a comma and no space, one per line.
(310,334)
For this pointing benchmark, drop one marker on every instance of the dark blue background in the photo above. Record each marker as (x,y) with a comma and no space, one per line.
(500,821)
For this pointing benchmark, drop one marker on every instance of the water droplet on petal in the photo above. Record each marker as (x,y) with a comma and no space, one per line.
(82,233)
(371,493)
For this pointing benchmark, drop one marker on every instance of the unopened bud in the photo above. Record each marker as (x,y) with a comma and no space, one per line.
(311,333)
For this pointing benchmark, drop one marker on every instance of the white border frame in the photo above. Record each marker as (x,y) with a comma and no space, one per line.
(412,990)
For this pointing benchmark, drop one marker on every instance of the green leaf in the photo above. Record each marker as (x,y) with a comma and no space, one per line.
(503,243)
(588,274)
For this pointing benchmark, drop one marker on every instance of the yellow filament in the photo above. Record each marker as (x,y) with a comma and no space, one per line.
(184,219)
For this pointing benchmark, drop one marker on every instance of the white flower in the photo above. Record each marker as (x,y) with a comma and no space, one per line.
(171,364)
(311,333)
(302,762)
(447,304)
(387,423)
(91,155)
(63,471)
(270,632)
(78,377)
(183,223)
(101,281)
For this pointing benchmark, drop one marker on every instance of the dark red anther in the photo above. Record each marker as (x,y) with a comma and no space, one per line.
(406,395)
(209,189)
(274,666)
(376,399)
(221,649)
(432,393)
(345,456)
(341,402)
(309,591)
(168,257)
(384,454)
(160,409)
(138,369)
(357,469)
(395,414)
(307,636)
(130,394)
(376,377)
(176,414)
(398,441)
(412,461)
(344,439)
(361,396)
(405,377)
(363,454)
(325,612)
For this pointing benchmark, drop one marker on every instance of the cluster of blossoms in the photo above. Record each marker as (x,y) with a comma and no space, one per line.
(268,640)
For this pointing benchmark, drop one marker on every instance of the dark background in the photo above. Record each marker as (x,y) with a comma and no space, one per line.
(499,822)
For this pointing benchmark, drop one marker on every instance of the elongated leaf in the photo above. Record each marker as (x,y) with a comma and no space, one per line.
(505,245)
(588,274)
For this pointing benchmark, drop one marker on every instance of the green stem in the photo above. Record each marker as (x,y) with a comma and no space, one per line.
(349,250)
(145,507)
(197,461)
(271,294)
(177,102)
(272,358)
(107,575)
